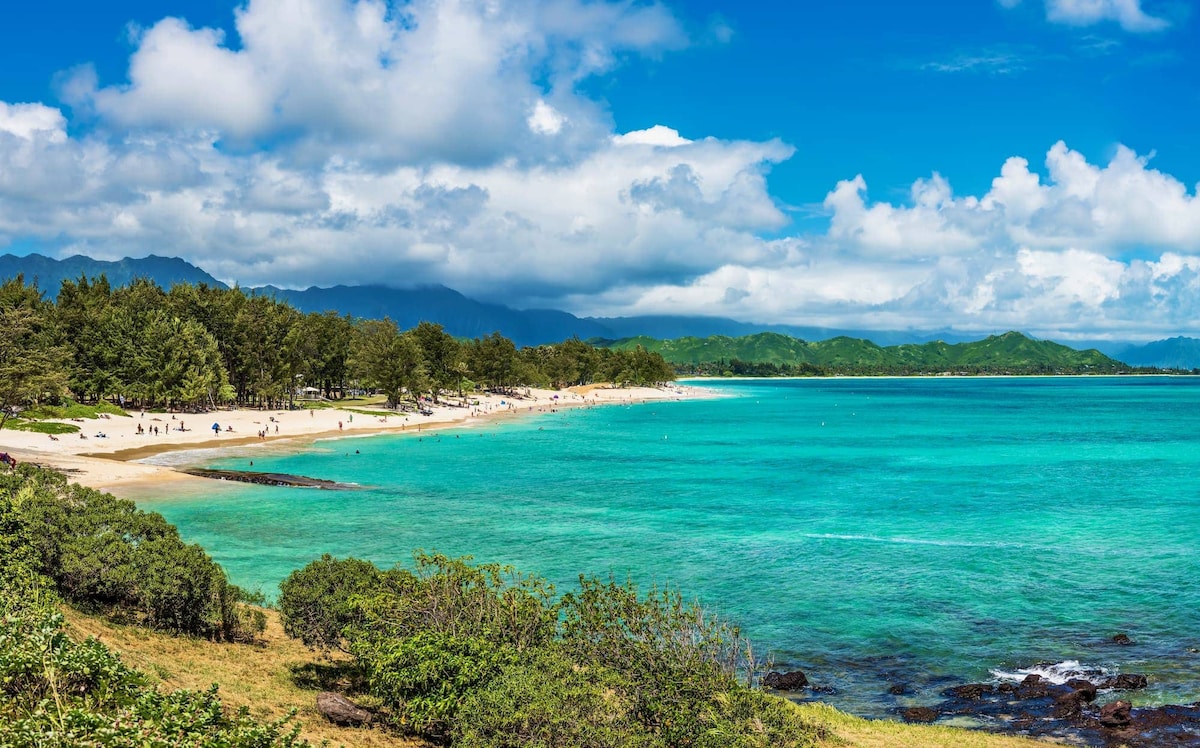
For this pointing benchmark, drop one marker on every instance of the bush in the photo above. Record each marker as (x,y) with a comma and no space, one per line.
(105,554)
(674,657)
(319,602)
(485,657)
(548,701)
(58,692)
(454,597)
(426,677)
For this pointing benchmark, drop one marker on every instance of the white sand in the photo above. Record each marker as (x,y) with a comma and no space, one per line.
(108,462)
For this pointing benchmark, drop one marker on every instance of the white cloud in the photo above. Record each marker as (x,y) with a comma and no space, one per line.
(452,145)
(545,119)
(29,121)
(1127,13)
(467,81)
(659,135)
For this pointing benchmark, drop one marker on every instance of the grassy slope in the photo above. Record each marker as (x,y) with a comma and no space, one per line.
(260,677)
(255,676)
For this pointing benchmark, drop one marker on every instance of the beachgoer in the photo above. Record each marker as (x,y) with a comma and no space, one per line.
(216,429)
(277,428)
(339,425)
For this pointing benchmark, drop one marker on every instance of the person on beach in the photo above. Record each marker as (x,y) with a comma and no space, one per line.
(339,425)
(216,429)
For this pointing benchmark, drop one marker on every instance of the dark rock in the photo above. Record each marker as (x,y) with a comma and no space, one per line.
(1031,680)
(1069,705)
(1006,687)
(899,689)
(1085,688)
(793,681)
(341,711)
(1122,639)
(824,690)
(919,714)
(268,479)
(1116,715)
(971,691)
(1169,716)
(1125,682)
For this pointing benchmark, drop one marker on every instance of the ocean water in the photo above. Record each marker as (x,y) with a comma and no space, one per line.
(868,531)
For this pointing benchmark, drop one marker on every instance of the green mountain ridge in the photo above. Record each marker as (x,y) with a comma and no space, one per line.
(772,353)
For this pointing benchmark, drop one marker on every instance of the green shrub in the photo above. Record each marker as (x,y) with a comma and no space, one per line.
(748,718)
(451,596)
(319,602)
(58,692)
(675,657)
(547,701)
(105,554)
(424,678)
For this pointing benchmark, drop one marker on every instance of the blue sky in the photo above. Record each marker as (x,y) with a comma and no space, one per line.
(977,165)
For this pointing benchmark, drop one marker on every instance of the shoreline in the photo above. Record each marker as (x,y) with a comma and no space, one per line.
(109,456)
(831,377)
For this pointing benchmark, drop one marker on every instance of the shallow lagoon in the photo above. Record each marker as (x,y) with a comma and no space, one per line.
(868,531)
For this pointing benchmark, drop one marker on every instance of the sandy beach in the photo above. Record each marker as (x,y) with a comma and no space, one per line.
(106,454)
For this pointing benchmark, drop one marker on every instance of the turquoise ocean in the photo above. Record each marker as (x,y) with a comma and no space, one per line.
(867,531)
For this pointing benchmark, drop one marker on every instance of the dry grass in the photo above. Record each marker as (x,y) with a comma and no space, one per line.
(263,678)
(863,733)
(258,676)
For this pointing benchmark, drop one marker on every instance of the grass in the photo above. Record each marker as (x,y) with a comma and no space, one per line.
(271,678)
(52,427)
(71,409)
(846,730)
(280,674)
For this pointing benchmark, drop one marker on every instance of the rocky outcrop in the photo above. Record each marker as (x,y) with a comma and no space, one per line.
(1085,688)
(969,692)
(791,681)
(342,711)
(268,479)
(1125,682)
(919,714)
(1117,715)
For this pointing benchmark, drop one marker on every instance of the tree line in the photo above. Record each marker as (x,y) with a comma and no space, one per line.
(197,346)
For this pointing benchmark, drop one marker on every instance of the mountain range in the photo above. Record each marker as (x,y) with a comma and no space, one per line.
(1011,352)
(466,317)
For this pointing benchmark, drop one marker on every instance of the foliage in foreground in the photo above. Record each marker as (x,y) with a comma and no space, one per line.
(55,691)
(485,657)
(104,554)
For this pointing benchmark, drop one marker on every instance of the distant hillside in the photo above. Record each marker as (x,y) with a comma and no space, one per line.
(669,327)
(461,316)
(466,317)
(1172,353)
(50,273)
(771,353)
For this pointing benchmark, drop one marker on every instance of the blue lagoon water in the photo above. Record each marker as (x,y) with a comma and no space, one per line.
(867,531)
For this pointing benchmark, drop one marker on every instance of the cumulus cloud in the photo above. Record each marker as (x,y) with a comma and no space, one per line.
(466,81)
(447,141)
(1127,13)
